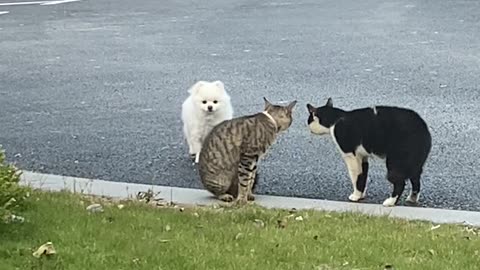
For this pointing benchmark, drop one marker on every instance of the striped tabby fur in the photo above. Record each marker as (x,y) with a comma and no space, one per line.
(230,152)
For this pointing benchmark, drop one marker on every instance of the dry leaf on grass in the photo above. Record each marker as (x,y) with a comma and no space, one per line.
(108,220)
(238,236)
(168,228)
(299,218)
(434,227)
(15,218)
(472,230)
(45,249)
(147,196)
(259,223)
(120,206)
(282,223)
(95,208)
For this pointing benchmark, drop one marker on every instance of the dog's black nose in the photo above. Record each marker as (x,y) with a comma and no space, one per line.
(210,108)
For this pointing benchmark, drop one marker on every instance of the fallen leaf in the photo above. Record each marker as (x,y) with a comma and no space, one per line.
(168,228)
(147,196)
(120,206)
(282,223)
(299,218)
(94,208)
(161,203)
(259,223)
(238,236)
(163,240)
(434,227)
(388,267)
(107,220)
(431,251)
(45,249)
(471,230)
(196,214)
(182,209)
(15,218)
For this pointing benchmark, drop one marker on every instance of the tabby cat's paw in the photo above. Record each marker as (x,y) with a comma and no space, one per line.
(226,198)
(240,202)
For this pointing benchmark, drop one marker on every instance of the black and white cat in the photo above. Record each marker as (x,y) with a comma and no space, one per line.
(398,135)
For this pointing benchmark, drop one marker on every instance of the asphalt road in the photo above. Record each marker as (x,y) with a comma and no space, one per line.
(94,88)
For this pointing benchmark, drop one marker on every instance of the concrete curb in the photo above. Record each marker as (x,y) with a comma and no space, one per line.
(202,197)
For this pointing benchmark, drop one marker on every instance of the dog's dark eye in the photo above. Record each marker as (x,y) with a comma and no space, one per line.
(215,102)
(204,102)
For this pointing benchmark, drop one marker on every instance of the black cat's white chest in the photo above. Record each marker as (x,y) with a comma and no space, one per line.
(349,146)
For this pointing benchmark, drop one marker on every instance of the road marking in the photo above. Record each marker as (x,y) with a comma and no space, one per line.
(4,12)
(22,3)
(58,2)
(43,3)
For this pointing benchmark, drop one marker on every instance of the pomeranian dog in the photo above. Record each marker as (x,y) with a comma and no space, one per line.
(207,106)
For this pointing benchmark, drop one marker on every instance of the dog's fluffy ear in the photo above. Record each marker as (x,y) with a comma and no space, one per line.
(219,84)
(195,87)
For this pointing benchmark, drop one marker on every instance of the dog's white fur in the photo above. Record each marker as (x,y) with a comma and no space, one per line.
(198,119)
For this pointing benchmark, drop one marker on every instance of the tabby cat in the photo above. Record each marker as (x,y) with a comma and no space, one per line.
(230,152)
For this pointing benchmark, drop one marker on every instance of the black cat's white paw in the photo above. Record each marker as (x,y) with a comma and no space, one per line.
(412,200)
(390,202)
(357,196)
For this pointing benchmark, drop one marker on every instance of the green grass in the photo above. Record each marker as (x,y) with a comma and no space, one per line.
(137,237)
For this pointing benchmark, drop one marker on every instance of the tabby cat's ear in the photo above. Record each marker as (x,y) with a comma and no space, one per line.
(267,103)
(329,102)
(310,108)
(291,105)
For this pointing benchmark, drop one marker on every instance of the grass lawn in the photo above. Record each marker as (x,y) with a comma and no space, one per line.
(142,237)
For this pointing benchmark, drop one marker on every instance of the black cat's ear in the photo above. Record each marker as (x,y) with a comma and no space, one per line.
(310,108)
(291,105)
(329,102)
(267,103)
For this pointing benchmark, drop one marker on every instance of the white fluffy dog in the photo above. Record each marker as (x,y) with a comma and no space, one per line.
(208,105)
